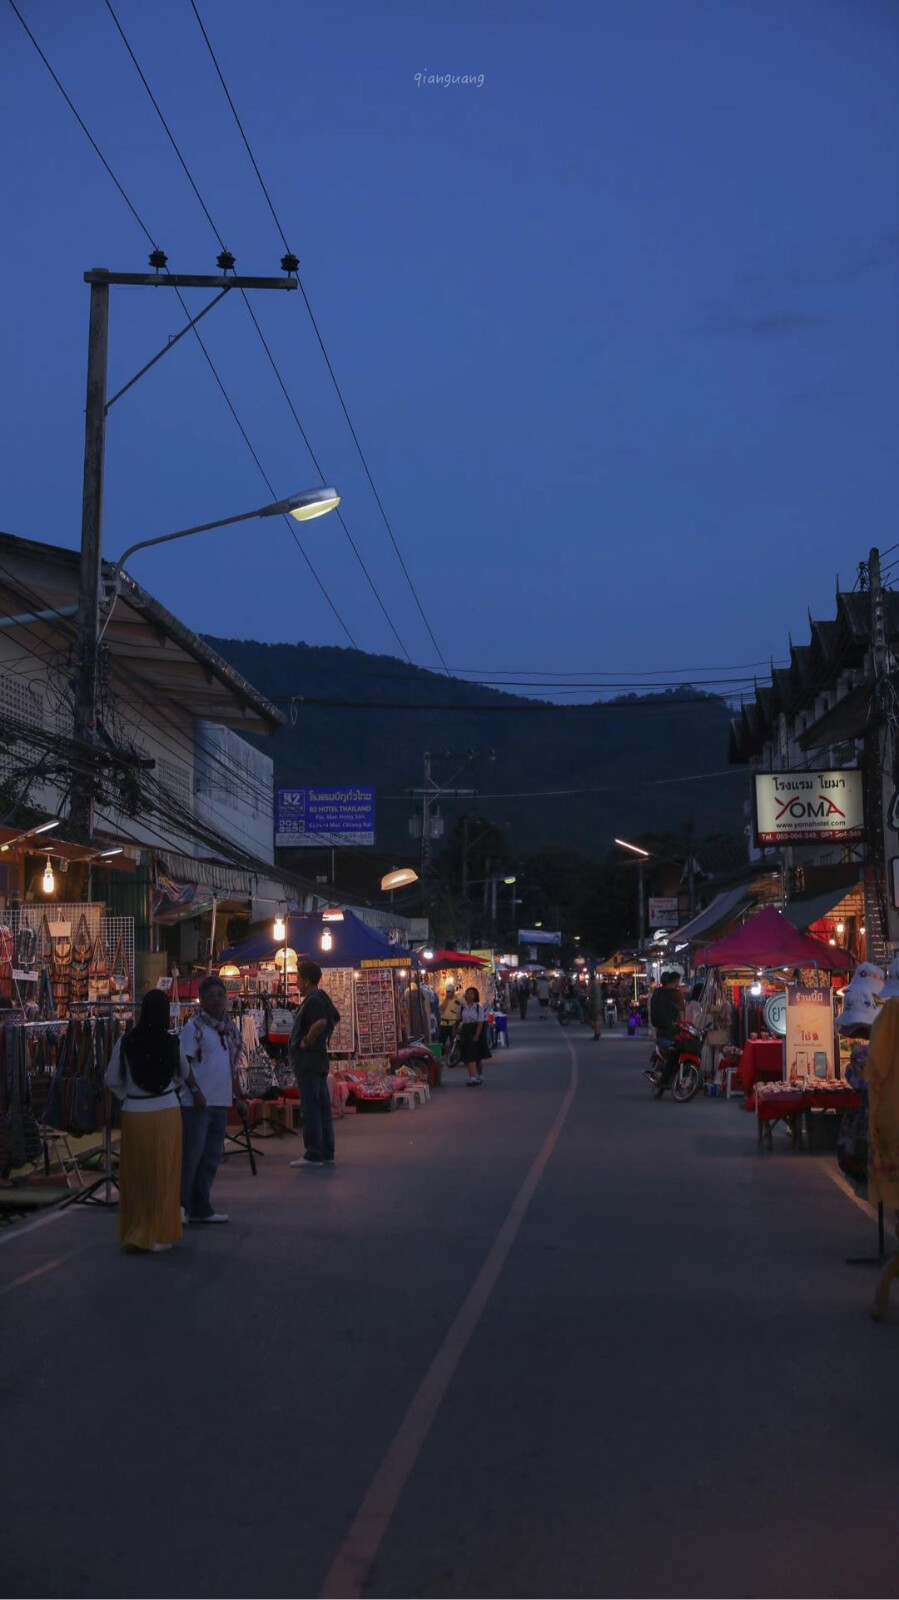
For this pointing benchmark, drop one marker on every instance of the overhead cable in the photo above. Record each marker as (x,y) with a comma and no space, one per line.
(256,324)
(288,522)
(321,343)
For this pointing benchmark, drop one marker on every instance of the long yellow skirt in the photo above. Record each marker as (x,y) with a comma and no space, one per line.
(150,1179)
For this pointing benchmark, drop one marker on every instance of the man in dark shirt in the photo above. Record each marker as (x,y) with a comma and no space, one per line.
(666,1010)
(312,1028)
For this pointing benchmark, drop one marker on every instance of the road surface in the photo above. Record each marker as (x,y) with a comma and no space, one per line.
(544,1338)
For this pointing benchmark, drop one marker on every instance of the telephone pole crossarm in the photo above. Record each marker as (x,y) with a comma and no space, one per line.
(186,280)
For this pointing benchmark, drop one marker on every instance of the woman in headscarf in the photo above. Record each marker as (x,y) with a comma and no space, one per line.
(146,1068)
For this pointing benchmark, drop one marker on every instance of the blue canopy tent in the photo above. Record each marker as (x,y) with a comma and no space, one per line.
(352,942)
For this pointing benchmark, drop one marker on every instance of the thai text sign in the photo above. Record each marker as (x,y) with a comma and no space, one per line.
(809,1040)
(313,818)
(663,911)
(808,807)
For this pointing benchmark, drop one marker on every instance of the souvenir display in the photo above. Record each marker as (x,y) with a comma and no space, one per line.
(376,1012)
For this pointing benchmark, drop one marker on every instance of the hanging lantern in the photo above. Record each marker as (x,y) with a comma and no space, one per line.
(48,881)
(229,971)
(279,931)
(327,939)
(288,955)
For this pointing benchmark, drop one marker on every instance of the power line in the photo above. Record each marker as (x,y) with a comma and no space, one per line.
(214,370)
(265,345)
(604,788)
(85,130)
(321,343)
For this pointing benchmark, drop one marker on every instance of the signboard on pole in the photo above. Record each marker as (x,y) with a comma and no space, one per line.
(538,936)
(809,1041)
(809,807)
(316,819)
(663,911)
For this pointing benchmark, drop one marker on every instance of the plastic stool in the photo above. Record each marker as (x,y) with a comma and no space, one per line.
(501,1025)
(403,1100)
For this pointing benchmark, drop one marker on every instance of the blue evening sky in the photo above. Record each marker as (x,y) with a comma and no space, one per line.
(617,328)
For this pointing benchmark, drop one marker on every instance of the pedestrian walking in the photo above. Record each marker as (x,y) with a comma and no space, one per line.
(146,1069)
(450,1007)
(312,1028)
(472,1041)
(543,993)
(596,1005)
(212,1044)
(524,995)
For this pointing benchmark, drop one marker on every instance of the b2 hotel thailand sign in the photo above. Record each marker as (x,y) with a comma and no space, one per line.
(312,818)
(809,807)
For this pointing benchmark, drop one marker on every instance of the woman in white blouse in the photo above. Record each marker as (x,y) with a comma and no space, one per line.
(471,1025)
(146,1068)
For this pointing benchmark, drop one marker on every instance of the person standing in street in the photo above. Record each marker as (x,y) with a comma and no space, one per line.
(596,1004)
(472,1023)
(146,1069)
(449,1016)
(524,995)
(543,993)
(214,1049)
(312,1028)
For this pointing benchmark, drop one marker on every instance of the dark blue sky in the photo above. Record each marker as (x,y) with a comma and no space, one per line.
(618,328)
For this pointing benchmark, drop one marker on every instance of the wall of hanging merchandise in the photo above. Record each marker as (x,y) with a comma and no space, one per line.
(51,1075)
(339,983)
(61,956)
(376,1027)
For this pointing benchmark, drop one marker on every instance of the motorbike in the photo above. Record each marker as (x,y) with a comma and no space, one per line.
(568,1010)
(685,1075)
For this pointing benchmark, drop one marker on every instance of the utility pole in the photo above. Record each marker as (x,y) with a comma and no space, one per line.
(88,627)
(691,870)
(641,906)
(465,857)
(431,792)
(881,916)
(81,810)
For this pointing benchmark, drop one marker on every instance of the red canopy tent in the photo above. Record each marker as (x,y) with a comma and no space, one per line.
(452,958)
(769,940)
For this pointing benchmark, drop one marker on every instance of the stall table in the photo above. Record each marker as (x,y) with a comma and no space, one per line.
(762,1061)
(789,1102)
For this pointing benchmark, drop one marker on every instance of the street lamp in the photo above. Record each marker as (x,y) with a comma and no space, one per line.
(31,833)
(303,507)
(398,878)
(642,855)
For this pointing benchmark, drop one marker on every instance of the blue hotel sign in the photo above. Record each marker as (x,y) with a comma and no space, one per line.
(321,818)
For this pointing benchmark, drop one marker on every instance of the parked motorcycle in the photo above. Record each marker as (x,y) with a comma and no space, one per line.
(685,1074)
(568,1010)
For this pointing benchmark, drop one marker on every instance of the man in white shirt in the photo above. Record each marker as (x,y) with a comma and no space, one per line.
(212,1044)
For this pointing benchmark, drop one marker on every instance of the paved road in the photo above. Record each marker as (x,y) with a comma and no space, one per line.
(670,1385)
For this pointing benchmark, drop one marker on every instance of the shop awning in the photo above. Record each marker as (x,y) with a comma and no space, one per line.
(802,913)
(453,958)
(769,940)
(352,941)
(722,909)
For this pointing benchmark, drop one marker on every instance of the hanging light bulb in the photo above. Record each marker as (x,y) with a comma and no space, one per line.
(841,927)
(327,939)
(279,932)
(48,881)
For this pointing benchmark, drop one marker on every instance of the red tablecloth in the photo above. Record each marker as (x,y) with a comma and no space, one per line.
(762,1060)
(793,1100)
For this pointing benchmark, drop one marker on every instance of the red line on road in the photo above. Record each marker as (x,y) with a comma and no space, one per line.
(353,1562)
(36,1272)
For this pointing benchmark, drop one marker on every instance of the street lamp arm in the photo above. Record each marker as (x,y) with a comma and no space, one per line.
(304,506)
(183,533)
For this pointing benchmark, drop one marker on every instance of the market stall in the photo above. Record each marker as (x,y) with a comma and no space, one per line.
(374,984)
(769,994)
